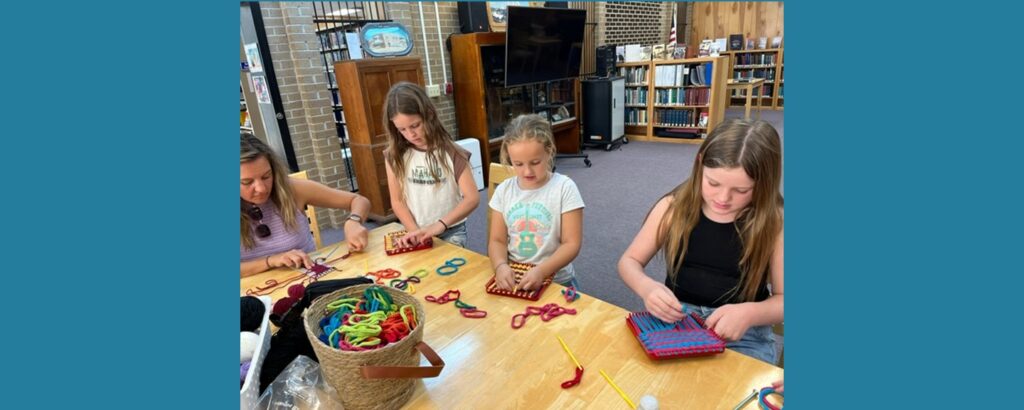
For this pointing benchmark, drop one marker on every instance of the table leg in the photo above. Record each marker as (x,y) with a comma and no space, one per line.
(750,91)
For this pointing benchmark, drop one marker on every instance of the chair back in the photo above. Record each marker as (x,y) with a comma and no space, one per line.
(498,174)
(314,226)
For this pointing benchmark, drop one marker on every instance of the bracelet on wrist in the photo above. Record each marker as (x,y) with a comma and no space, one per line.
(268,262)
(442,223)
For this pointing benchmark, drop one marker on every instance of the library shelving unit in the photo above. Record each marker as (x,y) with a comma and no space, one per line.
(766,64)
(666,99)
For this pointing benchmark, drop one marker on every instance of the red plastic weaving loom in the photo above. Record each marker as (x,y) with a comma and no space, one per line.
(686,338)
(391,244)
(518,270)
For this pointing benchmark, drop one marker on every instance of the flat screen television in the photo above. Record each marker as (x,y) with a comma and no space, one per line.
(543,44)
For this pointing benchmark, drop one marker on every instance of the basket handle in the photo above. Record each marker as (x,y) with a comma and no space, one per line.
(408,372)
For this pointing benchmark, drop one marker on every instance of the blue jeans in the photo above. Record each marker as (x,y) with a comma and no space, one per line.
(455,235)
(758,342)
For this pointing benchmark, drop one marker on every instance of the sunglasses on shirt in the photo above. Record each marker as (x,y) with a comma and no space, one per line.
(262,230)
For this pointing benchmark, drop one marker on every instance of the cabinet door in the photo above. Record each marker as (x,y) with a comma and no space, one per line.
(375,82)
(618,110)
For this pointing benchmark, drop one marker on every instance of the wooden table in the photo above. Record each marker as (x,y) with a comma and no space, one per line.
(490,365)
(749,86)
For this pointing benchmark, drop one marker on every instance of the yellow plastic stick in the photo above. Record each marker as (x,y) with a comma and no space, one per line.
(566,347)
(621,393)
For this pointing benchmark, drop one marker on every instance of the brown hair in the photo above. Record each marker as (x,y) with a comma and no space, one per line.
(281,194)
(754,146)
(410,99)
(529,127)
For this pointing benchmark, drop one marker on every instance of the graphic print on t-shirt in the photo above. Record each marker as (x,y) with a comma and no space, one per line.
(530,226)
(420,175)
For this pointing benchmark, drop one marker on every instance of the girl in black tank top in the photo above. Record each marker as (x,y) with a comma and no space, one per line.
(721,233)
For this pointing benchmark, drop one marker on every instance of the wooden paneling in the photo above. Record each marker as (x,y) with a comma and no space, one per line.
(363,86)
(713,20)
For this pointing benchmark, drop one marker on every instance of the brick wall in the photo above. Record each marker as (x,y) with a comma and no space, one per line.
(294,49)
(633,22)
(408,13)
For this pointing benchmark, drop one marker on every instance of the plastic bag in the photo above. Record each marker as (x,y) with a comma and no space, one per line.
(299,386)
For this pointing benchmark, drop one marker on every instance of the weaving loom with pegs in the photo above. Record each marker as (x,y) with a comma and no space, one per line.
(391,244)
(518,270)
(686,338)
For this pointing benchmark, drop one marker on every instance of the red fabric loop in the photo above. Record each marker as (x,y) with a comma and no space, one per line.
(473,313)
(569,383)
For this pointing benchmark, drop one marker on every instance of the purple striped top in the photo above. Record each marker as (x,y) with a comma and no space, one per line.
(280,239)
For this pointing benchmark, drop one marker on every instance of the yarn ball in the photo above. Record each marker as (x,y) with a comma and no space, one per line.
(648,402)
(282,305)
(249,340)
(296,291)
(245,370)
(252,313)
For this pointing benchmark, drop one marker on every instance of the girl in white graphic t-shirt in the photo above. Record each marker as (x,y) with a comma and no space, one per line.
(537,216)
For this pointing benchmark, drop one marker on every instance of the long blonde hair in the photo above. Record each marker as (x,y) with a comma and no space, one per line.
(754,146)
(529,127)
(410,99)
(281,194)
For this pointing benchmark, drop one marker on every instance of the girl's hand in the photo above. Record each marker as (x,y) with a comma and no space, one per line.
(410,238)
(777,386)
(662,303)
(730,321)
(294,259)
(418,236)
(356,234)
(504,278)
(532,279)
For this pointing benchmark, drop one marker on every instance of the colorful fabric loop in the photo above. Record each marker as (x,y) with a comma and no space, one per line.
(450,266)
(570,293)
(384,274)
(465,309)
(576,380)
(546,313)
(762,399)
(368,322)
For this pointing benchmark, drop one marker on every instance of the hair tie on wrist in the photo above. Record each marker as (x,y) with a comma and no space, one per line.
(268,262)
(442,223)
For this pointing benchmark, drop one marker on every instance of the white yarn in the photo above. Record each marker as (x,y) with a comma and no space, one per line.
(648,402)
(249,341)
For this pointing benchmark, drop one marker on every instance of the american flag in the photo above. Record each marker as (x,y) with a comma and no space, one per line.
(672,35)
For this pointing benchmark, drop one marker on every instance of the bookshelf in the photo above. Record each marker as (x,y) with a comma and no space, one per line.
(766,64)
(666,98)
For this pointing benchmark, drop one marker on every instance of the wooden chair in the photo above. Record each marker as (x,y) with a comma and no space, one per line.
(498,173)
(314,226)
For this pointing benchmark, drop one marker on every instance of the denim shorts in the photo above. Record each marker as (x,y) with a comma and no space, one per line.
(758,342)
(455,235)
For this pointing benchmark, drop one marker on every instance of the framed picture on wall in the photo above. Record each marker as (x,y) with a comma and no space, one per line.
(497,13)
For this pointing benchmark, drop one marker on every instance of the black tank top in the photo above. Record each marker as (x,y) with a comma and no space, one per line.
(711,267)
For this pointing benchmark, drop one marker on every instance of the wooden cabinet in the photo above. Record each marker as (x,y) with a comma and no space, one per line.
(363,86)
(484,105)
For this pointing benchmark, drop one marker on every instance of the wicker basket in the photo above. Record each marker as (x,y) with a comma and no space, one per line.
(372,379)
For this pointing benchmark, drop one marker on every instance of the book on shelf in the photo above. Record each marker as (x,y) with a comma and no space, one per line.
(762,43)
(720,45)
(620,54)
(703,119)
(679,51)
(705,47)
(645,53)
(632,53)
(658,52)
(777,42)
(750,44)
(735,42)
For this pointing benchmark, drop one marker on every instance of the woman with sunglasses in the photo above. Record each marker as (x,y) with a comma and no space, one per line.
(274,229)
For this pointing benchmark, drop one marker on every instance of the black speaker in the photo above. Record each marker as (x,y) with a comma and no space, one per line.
(473,17)
(605,61)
